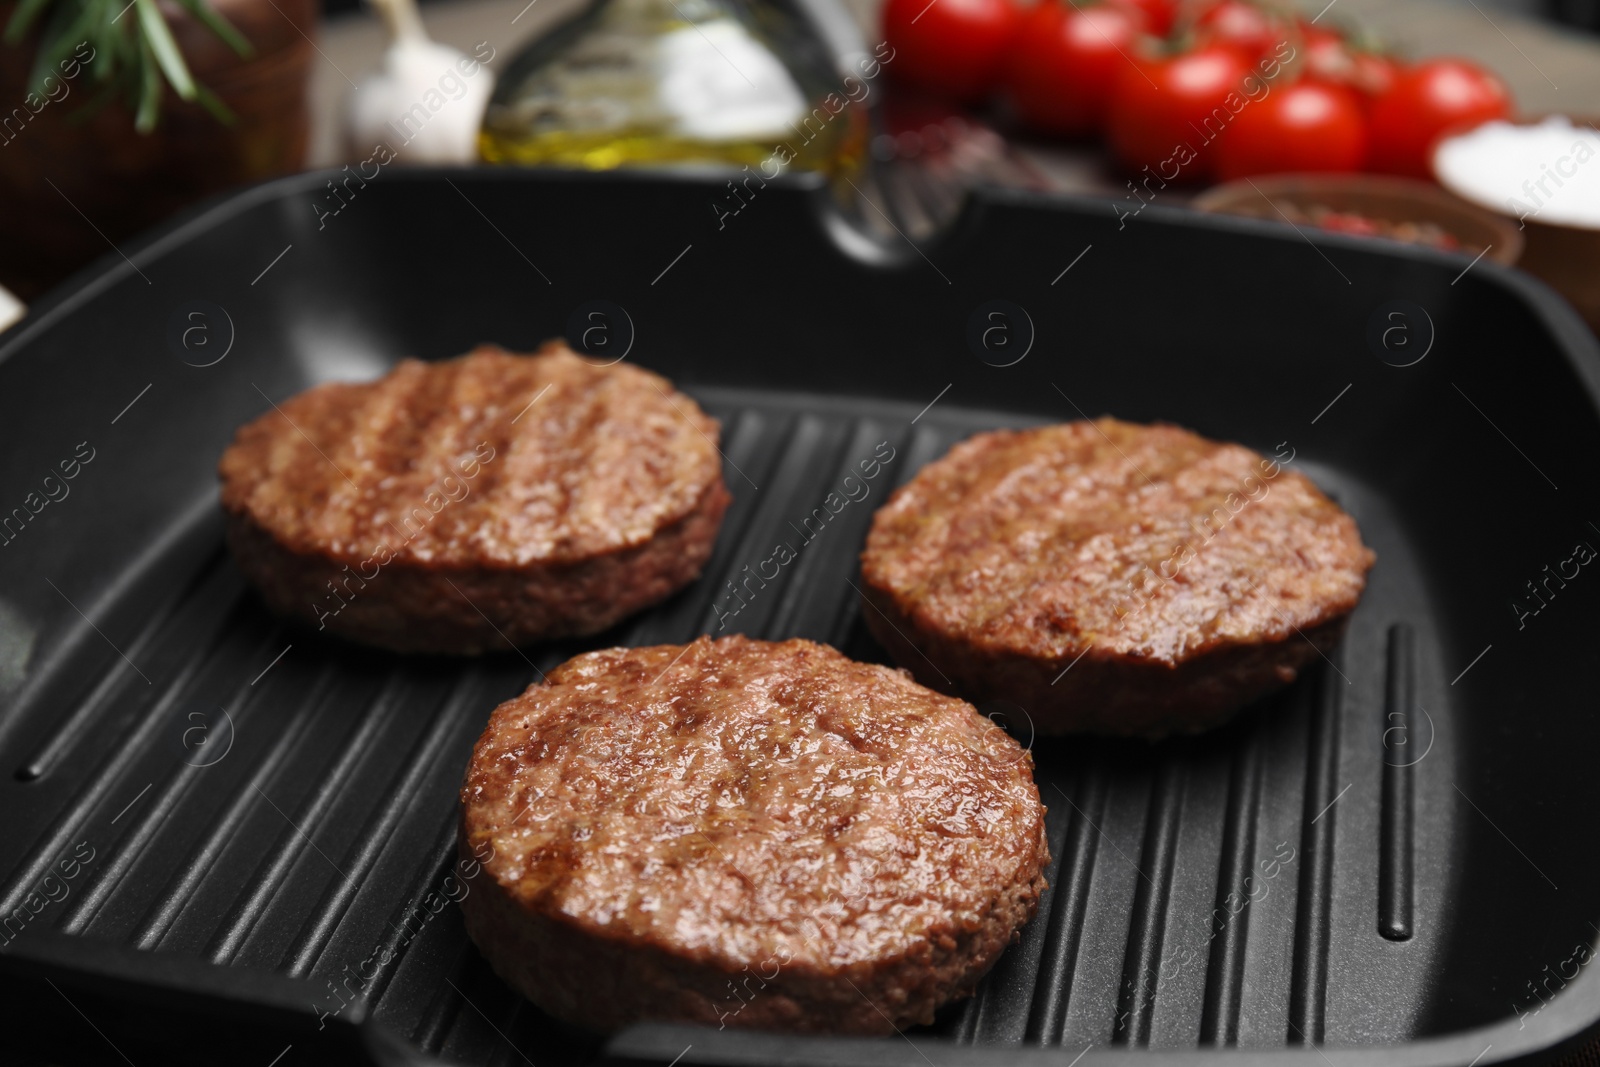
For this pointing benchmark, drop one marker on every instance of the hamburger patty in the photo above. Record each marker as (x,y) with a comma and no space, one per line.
(1108,577)
(463,505)
(746,834)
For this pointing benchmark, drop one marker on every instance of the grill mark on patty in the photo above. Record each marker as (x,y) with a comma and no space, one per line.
(451,443)
(964,545)
(592,444)
(499,431)
(378,463)
(551,492)
(427,405)
(404,400)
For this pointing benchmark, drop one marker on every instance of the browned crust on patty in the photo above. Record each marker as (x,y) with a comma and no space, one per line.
(748,834)
(1110,577)
(463,505)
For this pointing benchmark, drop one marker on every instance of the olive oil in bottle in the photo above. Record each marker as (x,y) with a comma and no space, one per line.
(653,82)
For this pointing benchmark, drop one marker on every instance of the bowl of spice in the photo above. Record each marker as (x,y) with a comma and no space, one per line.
(1393,209)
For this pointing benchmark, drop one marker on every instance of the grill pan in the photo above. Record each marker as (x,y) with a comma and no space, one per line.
(233,840)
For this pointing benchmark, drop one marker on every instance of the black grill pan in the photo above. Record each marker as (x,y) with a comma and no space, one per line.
(231,840)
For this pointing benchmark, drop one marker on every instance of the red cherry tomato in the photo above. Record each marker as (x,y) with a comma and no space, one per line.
(1064,62)
(950,47)
(1303,127)
(1374,75)
(1242,25)
(1332,60)
(1424,103)
(1158,14)
(1326,57)
(1165,112)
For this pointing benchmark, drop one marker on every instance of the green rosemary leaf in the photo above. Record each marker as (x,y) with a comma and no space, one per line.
(130,64)
(218,25)
(22,18)
(158,41)
(102,34)
(213,103)
(49,39)
(150,84)
(134,58)
(69,28)
(122,65)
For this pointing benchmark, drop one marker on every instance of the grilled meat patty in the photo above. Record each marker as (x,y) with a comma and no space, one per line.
(743,833)
(1109,577)
(475,503)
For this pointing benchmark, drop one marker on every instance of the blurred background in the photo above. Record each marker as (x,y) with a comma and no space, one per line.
(1465,125)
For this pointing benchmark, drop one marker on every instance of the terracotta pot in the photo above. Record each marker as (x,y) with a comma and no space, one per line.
(122,181)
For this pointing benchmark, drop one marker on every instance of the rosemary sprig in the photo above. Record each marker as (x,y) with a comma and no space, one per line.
(134,57)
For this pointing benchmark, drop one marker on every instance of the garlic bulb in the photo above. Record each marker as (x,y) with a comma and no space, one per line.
(426,101)
(11,309)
